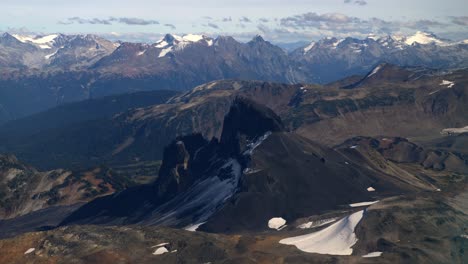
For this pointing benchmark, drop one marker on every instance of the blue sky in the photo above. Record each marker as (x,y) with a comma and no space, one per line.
(280,21)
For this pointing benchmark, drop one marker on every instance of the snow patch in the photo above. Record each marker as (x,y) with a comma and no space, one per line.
(449,84)
(50,55)
(318,223)
(161,44)
(193,38)
(371,189)
(141,53)
(31,250)
(451,131)
(376,70)
(253,145)
(276,223)
(362,204)
(336,239)
(308,48)
(373,254)
(44,42)
(335,44)
(353,147)
(164,52)
(160,245)
(160,251)
(194,227)
(250,171)
(43,46)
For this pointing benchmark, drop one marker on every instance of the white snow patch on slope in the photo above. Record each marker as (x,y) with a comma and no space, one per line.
(449,84)
(276,223)
(453,130)
(43,46)
(141,53)
(376,70)
(50,55)
(336,239)
(371,189)
(373,254)
(31,250)
(318,223)
(160,245)
(362,204)
(335,44)
(160,251)
(161,44)
(164,52)
(194,227)
(45,42)
(253,145)
(311,45)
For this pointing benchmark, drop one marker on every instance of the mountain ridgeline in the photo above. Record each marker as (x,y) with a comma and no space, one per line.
(56,69)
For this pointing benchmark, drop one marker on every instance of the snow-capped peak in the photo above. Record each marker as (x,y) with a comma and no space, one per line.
(193,38)
(44,42)
(170,39)
(423,38)
(174,42)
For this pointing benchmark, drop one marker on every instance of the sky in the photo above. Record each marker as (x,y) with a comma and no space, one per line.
(275,20)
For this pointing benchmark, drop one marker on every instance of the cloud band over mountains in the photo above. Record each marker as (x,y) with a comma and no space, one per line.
(132,21)
(307,25)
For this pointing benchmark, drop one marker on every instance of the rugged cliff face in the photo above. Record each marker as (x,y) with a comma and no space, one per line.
(256,171)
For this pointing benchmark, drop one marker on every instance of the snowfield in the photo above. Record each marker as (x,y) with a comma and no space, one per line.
(311,45)
(253,145)
(317,223)
(160,251)
(276,223)
(336,239)
(180,42)
(44,42)
(450,131)
(194,227)
(373,254)
(423,38)
(362,204)
(449,84)
(31,250)
(160,245)
(376,70)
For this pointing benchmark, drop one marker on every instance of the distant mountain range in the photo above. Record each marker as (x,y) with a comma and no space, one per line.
(59,52)
(56,69)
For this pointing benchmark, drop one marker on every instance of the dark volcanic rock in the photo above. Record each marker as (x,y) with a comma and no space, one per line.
(256,172)
(247,121)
